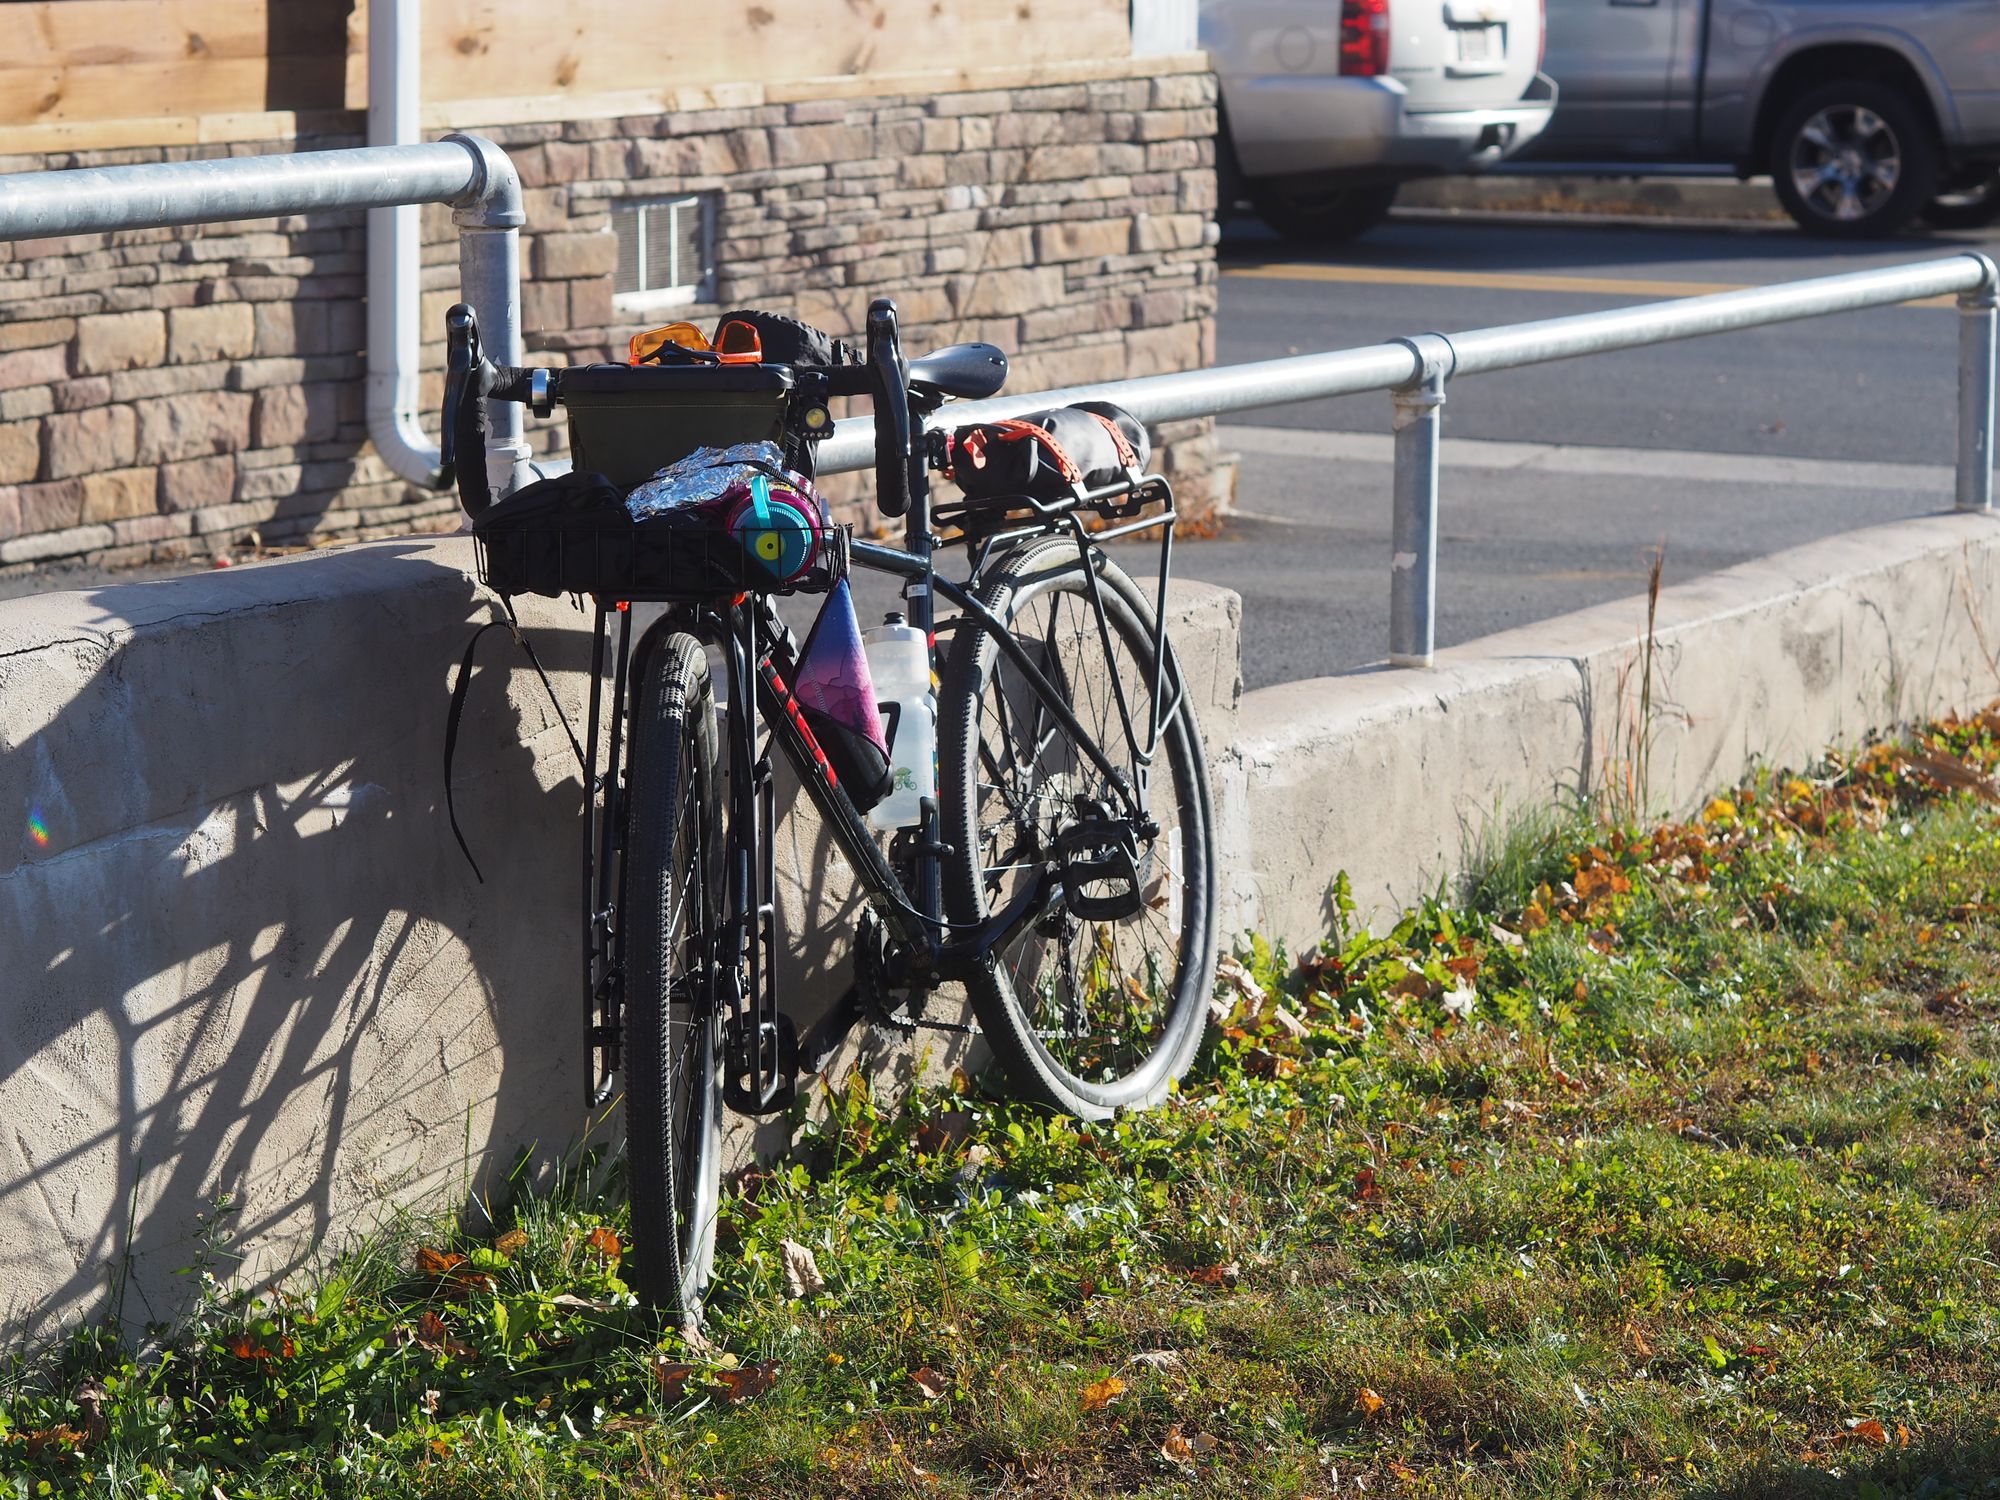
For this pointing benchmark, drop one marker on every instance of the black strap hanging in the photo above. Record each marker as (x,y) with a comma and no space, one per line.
(457,711)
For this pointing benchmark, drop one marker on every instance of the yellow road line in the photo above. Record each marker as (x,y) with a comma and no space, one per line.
(1506,281)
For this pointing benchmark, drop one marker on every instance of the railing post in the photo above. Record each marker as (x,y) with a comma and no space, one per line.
(1978,318)
(1413,543)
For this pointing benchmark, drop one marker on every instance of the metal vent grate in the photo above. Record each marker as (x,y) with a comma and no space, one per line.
(665,250)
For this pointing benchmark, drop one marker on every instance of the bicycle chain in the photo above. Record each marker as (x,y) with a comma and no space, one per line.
(871,981)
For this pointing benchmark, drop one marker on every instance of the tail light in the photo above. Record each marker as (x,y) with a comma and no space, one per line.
(1364,38)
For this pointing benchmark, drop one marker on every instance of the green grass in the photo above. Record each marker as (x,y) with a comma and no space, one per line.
(1663,1163)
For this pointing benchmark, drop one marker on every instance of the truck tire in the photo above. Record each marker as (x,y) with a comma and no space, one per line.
(1322,216)
(1855,159)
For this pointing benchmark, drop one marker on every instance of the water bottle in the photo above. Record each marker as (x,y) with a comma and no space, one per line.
(899,664)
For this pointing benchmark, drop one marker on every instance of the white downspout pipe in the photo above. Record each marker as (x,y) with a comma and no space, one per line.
(395,248)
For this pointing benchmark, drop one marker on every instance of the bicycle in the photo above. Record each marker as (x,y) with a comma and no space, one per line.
(1063,873)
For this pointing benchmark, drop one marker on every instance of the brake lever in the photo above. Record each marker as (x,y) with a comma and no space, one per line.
(892,409)
(462,359)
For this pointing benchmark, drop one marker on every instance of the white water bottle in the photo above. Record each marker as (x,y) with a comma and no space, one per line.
(899,664)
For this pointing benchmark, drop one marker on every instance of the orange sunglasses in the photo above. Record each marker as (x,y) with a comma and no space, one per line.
(736,343)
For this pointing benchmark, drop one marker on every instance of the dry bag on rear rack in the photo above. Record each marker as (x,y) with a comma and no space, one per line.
(1049,455)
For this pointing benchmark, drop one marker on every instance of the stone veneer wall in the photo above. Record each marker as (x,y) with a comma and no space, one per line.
(166,393)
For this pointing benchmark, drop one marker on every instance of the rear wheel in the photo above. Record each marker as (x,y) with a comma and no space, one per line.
(1322,216)
(1854,160)
(1101,1001)
(673,1103)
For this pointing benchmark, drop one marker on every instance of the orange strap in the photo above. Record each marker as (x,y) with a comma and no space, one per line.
(1013,430)
(1127,454)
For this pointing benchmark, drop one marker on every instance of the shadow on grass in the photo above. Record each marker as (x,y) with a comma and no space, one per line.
(1940,1467)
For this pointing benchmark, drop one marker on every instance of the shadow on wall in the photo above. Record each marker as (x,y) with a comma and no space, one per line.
(244,956)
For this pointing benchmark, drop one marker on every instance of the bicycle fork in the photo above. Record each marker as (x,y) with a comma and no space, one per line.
(759,1044)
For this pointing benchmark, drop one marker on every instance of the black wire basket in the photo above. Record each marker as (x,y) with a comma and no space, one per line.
(660,558)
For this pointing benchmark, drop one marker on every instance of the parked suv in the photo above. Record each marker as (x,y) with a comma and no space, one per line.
(1866,113)
(1328,106)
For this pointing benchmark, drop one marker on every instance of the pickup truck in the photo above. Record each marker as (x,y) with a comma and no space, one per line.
(1866,113)
(1329,105)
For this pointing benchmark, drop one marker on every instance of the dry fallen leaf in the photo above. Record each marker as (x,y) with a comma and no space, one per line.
(1368,1401)
(589,1304)
(90,1398)
(802,1275)
(437,1262)
(605,1245)
(1867,1430)
(1176,1449)
(672,1376)
(1156,1359)
(1232,973)
(1949,772)
(1102,1393)
(511,1241)
(1366,1188)
(748,1382)
(932,1384)
(434,1334)
(243,1346)
(44,1438)
(1224,1274)
(1260,1063)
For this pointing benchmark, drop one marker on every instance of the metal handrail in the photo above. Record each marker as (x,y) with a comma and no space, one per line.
(1415,371)
(468,172)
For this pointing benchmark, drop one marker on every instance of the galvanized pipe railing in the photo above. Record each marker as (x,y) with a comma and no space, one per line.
(468,172)
(1416,370)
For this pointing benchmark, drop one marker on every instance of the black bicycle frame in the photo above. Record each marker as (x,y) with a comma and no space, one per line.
(761,1050)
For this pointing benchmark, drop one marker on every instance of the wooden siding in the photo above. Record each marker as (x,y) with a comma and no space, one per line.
(66,62)
(84,74)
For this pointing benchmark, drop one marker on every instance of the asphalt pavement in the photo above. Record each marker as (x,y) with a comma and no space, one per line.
(1719,449)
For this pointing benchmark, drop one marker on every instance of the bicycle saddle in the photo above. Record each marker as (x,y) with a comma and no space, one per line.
(971,371)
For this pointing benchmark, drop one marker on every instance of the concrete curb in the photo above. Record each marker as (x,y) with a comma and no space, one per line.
(1724,198)
(247,957)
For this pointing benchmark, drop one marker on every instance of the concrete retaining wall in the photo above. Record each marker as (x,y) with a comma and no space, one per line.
(242,955)
(1398,777)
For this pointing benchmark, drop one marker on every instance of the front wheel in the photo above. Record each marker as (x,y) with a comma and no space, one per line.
(1099,1002)
(1854,160)
(673,1088)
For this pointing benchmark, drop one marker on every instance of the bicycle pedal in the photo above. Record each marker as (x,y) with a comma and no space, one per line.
(1100,870)
(770,1089)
